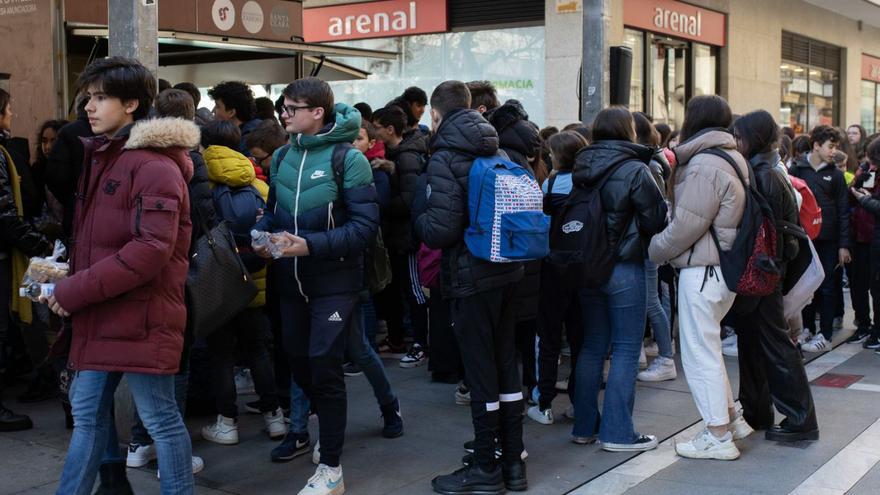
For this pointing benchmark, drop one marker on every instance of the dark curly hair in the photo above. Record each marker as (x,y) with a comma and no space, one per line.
(235,95)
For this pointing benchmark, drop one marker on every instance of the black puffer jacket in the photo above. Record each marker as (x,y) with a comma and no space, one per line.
(15,232)
(828,185)
(65,166)
(634,207)
(201,200)
(519,139)
(463,135)
(410,159)
(773,186)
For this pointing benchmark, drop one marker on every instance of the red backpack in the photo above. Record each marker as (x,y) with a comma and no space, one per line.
(810,213)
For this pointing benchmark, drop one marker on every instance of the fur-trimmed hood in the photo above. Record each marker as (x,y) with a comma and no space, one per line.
(166,132)
(384,165)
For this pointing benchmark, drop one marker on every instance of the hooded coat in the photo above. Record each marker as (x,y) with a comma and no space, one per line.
(707,193)
(410,161)
(129,262)
(462,136)
(304,200)
(632,201)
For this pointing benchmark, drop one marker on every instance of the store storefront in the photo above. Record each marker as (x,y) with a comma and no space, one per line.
(675,55)
(502,42)
(810,79)
(870,109)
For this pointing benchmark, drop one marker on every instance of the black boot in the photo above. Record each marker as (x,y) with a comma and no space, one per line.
(470,481)
(393,421)
(514,474)
(9,421)
(784,432)
(114,481)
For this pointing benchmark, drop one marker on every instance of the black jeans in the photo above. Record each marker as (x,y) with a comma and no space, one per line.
(445,357)
(556,306)
(484,327)
(824,300)
(864,294)
(315,331)
(405,285)
(248,333)
(771,371)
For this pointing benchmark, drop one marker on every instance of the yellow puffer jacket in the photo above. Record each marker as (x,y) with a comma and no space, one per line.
(229,167)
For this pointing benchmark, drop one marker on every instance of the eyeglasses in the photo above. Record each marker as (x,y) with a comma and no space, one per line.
(291,109)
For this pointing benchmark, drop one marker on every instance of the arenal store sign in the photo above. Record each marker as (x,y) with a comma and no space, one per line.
(374,20)
(677,19)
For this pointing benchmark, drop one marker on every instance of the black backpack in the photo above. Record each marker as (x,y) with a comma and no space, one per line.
(580,254)
(750,267)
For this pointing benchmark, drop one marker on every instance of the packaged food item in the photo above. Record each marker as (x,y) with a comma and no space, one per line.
(42,273)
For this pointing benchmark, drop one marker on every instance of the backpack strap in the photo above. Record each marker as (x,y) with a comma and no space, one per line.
(726,157)
(337,162)
(550,182)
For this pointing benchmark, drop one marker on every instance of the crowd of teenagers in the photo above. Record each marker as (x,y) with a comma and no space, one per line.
(376,249)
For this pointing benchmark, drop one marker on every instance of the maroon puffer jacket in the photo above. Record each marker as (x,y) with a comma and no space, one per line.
(129,260)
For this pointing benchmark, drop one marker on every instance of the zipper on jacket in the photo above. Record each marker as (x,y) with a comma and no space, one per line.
(302,164)
(137,215)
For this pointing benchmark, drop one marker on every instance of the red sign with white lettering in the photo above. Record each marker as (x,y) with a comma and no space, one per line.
(870,68)
(677,19)
(374,20)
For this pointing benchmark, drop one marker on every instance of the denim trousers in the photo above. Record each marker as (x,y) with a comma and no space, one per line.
(91,399)
(658,316)
(299,409)
(614,316)
(361,353)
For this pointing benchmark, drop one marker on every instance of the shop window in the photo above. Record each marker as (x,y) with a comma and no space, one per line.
(635,40)
(512,58)
(705,69)
(809,78)
(870,108)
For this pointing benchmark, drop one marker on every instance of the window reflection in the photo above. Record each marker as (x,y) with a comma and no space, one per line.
(808,96)
(635,40)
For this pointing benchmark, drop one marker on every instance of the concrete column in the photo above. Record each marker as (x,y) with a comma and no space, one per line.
(595,71)
(134,31)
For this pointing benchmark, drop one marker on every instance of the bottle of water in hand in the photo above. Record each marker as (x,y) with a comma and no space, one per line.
(260,239)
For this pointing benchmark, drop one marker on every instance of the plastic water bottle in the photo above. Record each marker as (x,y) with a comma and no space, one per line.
(34,291)
(260,239)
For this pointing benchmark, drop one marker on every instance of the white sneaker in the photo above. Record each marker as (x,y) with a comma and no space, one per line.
(706,446)
(275,425)
(739,428)
(544,417)
(652,350)
(804,336)
(140,455)
(316,453)
(729,346)
(224,431)
(244,383)
(817,344)
(642,443)
(643,359)
(325,481)
(197,464)
(661,369)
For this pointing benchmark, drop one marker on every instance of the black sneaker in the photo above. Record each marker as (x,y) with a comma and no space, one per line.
(514,475)
(393,420)
(470,481)
(9,421)
(872,342)
(293,446)
(351,369)
(860,335)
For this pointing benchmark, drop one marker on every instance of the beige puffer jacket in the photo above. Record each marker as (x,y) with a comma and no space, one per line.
(707,192)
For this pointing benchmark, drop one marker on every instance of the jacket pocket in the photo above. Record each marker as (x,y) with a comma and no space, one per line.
(155,215)
(124,317)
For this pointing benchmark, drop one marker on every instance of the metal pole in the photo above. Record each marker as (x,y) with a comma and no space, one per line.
(595,73)
(134,31)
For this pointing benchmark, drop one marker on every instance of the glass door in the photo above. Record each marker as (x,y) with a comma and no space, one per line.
(669,80)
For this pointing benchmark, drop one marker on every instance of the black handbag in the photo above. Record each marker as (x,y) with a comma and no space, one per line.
(218,285)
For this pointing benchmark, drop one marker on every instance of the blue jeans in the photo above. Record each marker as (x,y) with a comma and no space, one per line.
(91,400)
(139,434)
(362,354)
(299,409)
(614,315)
(371,323)
(657,315)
